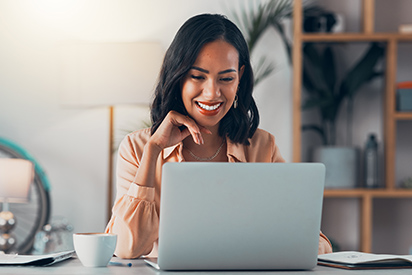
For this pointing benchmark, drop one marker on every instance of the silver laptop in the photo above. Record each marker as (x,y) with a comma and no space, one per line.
(240,216)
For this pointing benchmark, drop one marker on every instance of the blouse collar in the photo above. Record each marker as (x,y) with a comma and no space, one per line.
(235,151)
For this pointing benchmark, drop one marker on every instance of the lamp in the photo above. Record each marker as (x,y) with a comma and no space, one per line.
(16,176)
(108,74)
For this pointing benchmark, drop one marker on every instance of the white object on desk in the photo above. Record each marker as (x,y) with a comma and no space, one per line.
(360,260)
(36,260)
(94,249)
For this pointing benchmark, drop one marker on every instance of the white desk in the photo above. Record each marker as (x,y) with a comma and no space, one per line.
(73,266)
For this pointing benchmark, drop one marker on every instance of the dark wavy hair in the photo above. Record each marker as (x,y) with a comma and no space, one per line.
(238,124)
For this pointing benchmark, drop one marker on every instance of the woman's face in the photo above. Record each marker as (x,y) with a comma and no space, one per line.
(209,88)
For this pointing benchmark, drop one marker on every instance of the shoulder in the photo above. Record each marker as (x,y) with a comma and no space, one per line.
(263,148)
(261,137)
(135,141)
(139,135)
(262,141)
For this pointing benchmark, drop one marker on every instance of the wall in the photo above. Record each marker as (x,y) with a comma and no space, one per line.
(71,144)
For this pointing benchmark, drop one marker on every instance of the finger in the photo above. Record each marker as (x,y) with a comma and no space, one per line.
(195,130)
(197,137)
(184,132)
(191,126)
(205,130)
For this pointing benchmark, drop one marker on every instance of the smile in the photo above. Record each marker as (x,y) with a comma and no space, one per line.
(209,107)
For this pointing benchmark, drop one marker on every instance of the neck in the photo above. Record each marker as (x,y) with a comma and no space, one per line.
(212,143)
(210,140)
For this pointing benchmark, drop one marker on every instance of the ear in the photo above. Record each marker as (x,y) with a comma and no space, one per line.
(241,70)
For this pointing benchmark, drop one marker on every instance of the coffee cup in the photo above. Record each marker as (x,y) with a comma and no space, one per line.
(94,249)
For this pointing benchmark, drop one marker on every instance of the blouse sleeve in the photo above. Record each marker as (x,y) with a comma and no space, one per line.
(134,216)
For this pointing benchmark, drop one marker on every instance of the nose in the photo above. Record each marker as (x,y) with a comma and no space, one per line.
(211,90)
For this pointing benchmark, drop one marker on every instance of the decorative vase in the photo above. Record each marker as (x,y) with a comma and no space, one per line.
(341,165)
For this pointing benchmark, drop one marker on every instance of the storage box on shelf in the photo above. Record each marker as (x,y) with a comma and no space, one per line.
(404,96)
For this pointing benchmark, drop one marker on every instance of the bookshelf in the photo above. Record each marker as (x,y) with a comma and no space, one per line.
(390,116)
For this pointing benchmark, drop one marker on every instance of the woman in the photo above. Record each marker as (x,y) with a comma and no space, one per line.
(203,110)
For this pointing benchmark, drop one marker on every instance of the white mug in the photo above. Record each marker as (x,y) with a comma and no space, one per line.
(94,249)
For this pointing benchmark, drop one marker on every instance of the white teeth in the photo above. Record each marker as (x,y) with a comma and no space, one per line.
(209,108)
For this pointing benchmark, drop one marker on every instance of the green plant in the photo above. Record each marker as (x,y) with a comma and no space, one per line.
(254,19)
(327,93)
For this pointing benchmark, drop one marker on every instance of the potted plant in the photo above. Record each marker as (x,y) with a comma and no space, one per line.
(327,94)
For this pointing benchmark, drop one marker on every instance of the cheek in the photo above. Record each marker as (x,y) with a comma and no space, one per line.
(231,93)
(187,92)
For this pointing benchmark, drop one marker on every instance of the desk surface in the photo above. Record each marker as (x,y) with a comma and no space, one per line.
(73,266)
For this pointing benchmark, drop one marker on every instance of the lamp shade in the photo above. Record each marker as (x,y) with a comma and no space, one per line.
(16,176)
(107,74)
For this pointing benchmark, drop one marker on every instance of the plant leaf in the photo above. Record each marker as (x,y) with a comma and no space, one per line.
(279,27)
(328,68)
(263,69)
(313,68)
(362,72)
(307,83)
(316,102)
(319,130)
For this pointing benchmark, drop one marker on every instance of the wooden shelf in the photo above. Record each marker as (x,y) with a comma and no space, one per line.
(355,37)
(366,196)
(403,115)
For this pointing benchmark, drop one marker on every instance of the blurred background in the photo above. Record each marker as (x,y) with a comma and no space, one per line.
(71,143)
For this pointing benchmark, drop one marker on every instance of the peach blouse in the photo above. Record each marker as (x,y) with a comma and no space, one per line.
(135,214)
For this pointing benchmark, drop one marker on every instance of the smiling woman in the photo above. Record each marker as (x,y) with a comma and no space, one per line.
(209,47)
(210,87)
(203,110)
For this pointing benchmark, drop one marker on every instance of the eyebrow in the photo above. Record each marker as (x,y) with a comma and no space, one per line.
(206,71)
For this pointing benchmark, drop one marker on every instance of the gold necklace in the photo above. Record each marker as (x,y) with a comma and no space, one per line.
(208,158)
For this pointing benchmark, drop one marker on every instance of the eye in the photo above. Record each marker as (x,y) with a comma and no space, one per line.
(227,79)
(197,77)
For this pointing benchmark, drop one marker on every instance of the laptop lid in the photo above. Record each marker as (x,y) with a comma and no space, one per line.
(240,216)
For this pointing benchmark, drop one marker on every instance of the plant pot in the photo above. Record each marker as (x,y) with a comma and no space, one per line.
(341,165)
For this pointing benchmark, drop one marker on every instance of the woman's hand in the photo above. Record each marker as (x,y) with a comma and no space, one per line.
(324,246)
(171,132)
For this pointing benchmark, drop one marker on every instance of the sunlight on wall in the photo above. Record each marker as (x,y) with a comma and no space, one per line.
(70,143)
(81,19)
